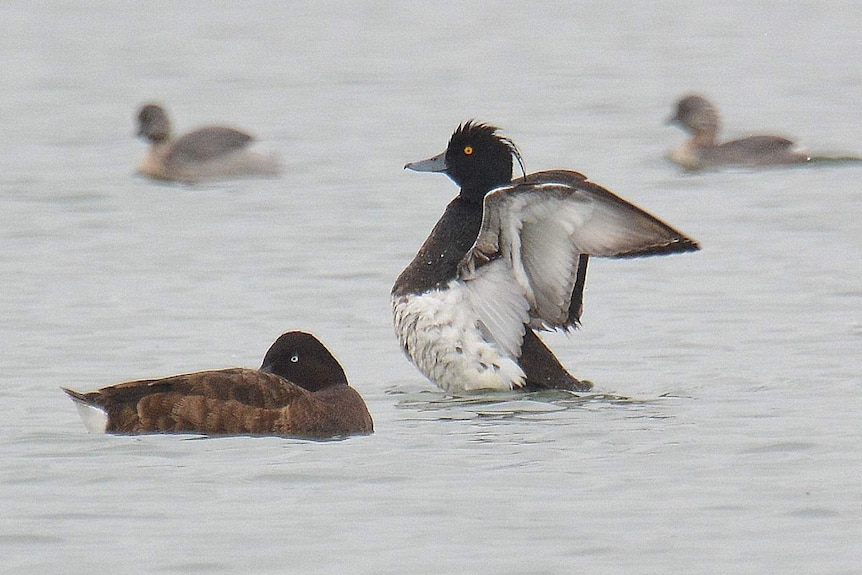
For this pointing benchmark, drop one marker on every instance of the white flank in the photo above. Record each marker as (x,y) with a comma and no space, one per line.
(442,335)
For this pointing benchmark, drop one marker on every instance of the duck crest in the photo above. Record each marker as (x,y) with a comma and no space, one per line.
(478,159)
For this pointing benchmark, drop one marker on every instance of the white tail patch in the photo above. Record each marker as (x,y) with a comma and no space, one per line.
(94,418)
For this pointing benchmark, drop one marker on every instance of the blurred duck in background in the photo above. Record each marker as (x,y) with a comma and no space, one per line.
(209,153)
(699,117)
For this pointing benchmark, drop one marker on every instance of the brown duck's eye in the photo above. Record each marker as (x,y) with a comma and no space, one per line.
(294,358)
(468,150)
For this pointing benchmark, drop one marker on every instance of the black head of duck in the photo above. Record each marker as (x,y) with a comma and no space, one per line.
(477,159)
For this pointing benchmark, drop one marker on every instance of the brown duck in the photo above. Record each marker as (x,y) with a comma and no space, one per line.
(300,390)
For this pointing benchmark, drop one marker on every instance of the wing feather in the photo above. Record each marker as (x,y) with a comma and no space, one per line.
(248,386)
(544,228)
(500,305)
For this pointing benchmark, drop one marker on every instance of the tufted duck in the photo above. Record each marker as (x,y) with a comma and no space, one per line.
(508,258)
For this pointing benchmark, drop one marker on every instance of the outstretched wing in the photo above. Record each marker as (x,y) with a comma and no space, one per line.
(543,230)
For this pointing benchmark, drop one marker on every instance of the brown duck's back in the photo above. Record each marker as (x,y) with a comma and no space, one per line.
(229,401)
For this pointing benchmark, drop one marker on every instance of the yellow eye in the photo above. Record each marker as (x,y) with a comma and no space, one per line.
(468,150)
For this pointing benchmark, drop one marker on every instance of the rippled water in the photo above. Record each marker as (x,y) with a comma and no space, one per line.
(723,435)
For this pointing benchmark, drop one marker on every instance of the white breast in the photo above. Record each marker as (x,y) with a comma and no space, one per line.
(442,335)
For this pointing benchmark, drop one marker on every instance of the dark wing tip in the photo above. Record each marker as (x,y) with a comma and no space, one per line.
(675,246)
(76,395)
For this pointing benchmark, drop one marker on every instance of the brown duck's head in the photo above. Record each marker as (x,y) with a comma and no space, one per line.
(301,358)
(153,123)
(697,115)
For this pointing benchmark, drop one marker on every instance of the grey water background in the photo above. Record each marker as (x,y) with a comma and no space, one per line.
(723,434)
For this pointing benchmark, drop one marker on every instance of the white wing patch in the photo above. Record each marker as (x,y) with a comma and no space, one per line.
(500,305)
(548,256)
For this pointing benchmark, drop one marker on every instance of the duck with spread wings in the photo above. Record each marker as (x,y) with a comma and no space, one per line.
(507,259)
